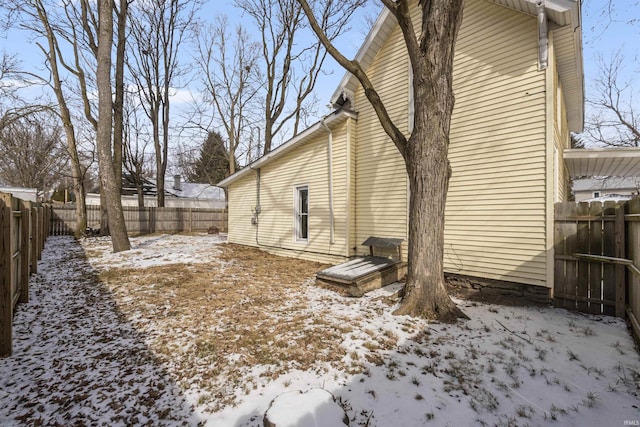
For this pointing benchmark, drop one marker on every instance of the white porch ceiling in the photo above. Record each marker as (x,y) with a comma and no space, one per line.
(620,162)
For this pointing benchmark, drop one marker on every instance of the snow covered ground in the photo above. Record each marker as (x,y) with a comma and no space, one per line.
(116,340)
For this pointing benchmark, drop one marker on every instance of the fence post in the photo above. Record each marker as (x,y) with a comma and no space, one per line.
(6,276)
(41,234)
(34,240)
(620,253)
(24,251)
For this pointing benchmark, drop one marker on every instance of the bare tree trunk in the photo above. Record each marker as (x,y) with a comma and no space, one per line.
(119,238)
(81,206)
(268,137)
(51,53)
(104,213)
(427,167)
(140,192)
(118,102)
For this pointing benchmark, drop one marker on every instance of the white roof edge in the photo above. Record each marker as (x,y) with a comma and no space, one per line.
(582,153)
(560,5)
(383,20)
(336,116)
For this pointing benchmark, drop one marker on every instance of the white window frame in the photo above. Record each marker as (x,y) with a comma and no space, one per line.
(298,214)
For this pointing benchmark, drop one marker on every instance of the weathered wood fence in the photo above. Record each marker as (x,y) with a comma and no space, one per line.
(23,230)
(143,220)
(597,255)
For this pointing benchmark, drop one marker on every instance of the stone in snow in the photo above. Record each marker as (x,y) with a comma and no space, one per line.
(313,408)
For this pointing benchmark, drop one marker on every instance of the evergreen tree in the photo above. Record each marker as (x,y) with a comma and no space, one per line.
(212,166)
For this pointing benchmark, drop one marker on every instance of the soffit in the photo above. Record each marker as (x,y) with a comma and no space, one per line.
(618,162)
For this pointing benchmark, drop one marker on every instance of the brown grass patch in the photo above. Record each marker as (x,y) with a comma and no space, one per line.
(213,322)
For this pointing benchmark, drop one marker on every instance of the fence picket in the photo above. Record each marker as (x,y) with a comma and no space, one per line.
(595,268)
(608,249)
(18,255)
(6,276)
(143,220)
(605,247)
(582,247)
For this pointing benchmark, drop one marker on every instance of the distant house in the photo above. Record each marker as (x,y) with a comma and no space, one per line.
(606,188)
(178,194)
(324,192)
(28,194)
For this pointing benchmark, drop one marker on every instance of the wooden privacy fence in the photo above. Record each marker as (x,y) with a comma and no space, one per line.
(597,254)
(23,230)
(143,220)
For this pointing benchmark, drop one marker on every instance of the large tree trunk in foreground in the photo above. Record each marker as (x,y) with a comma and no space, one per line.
(119,238)
(425,294)
(426,157)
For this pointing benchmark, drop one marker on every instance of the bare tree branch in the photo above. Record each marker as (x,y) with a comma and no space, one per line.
(615,119)
(354,67)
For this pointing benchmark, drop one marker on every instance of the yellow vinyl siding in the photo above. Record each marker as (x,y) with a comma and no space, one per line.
(495,216)
(560,129)
(380,177)
(242,201)
(306,165)
(495,224)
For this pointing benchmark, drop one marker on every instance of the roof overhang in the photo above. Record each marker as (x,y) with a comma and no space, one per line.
(620,162)
(566,16)
(330,121)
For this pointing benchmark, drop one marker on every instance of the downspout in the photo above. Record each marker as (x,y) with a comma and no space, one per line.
(347,223)
(543,37)
(330,166)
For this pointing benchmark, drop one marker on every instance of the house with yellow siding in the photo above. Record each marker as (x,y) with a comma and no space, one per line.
(519,93)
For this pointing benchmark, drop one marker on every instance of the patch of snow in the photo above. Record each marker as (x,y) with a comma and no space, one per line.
(311,408)
(78,360)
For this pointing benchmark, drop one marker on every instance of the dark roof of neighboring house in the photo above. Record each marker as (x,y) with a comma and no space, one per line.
(186,190)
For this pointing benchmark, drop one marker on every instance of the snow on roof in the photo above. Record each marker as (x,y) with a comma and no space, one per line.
(28,194)
(610,198)
(190,190)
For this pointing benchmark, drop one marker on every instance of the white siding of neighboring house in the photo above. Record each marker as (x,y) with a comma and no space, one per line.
(93,199)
